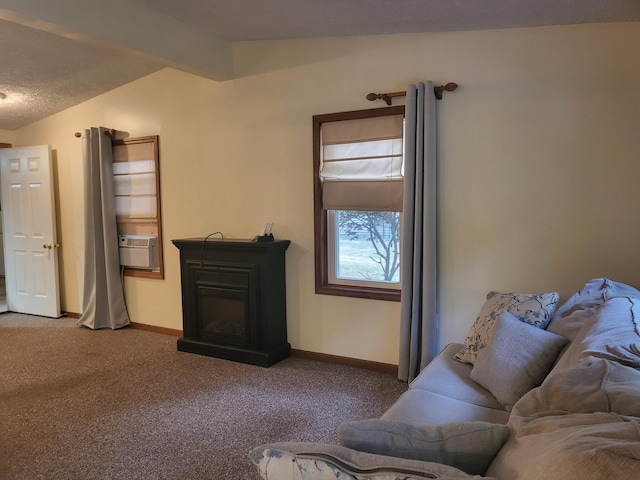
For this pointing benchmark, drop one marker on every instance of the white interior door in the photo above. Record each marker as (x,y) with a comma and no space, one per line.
(30,240)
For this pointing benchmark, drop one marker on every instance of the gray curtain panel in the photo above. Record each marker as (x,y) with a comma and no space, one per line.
(418,308)
(103,303)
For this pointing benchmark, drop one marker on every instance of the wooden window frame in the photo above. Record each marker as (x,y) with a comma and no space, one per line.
(142,272)
(322,284)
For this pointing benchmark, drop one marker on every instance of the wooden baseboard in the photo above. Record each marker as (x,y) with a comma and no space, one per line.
(320,357)
(140,326)
(152,328)
(351,362)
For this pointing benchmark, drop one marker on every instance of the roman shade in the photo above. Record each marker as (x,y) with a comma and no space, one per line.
(361,165)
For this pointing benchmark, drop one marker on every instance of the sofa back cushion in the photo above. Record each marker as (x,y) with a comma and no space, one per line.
(570,316)
(610,331)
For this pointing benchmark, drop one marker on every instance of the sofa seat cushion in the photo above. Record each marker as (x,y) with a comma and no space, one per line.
(448,377)
(321,461)
(468,446)
(422,407)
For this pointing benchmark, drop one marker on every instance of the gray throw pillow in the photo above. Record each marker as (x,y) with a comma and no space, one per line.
(517,358)
(323,461)
(534,309)
(469,446)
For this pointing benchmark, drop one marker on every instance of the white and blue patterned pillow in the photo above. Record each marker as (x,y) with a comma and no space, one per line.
(534,309)
(323,461)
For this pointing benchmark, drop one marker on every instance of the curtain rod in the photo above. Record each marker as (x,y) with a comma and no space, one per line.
(449,87)
(109,133)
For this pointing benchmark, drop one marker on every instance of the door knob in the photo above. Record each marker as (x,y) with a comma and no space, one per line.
(47,246)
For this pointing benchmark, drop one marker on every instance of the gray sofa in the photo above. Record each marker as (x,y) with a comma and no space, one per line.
(535,392)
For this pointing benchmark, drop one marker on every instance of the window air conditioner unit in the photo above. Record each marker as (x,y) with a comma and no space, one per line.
(139,251)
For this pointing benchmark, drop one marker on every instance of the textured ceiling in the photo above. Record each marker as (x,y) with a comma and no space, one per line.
(54,55)
(42,73)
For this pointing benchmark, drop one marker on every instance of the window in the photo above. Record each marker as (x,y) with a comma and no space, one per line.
(358,189)
(136,171)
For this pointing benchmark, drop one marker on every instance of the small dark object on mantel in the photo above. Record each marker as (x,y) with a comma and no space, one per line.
(265,238)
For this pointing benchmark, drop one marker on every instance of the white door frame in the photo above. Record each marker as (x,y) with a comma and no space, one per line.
(29,226)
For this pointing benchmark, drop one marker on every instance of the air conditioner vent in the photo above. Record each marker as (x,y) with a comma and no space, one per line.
(139,251)
(138,242)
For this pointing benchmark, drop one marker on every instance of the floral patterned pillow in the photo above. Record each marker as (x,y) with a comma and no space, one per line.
(323,461)
(534,309)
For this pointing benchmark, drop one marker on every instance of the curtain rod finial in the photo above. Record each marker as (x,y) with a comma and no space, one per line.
(449,87)
(375,96)
(385,96)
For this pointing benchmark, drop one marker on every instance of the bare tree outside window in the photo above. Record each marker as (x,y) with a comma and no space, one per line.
(369,245)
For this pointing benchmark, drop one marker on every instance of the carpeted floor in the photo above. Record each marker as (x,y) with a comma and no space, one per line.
(82,404)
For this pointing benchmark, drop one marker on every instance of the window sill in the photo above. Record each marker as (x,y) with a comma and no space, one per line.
(386,294)
(141,273)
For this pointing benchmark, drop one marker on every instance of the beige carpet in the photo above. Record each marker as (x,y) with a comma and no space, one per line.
(82,404)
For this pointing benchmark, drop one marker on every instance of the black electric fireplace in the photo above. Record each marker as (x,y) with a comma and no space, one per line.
(234,299)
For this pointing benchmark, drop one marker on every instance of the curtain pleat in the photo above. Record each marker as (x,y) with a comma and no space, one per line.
(103,303)
(418,308)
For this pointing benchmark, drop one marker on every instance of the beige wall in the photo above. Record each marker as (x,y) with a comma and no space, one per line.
(537,172)
(7,136)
